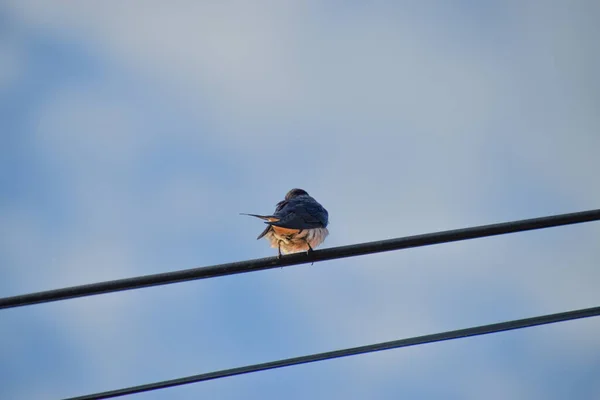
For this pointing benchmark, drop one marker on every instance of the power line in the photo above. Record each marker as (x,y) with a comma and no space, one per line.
(299,258)
(414,341)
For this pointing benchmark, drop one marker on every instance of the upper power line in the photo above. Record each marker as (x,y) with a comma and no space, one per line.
(299,258)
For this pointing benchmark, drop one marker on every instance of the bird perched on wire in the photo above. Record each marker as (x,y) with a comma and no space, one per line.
(299,223)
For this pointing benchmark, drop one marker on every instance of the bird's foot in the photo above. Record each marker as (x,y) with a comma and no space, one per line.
(310,250)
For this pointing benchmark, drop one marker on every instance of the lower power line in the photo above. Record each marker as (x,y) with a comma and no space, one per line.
(414,341)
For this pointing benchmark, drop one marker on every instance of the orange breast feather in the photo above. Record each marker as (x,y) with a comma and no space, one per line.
(284,231)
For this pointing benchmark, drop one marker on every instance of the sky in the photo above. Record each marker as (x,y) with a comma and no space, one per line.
(134,133)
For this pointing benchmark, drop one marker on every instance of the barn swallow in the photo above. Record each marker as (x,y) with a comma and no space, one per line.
(299,223)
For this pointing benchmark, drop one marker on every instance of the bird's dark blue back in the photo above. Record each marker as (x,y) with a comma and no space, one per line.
(301,212)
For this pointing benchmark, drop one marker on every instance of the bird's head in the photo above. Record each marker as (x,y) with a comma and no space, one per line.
(295,193)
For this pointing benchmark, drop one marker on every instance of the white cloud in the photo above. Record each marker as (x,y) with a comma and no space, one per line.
(11,60)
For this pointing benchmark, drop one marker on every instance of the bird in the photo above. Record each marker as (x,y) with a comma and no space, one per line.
(298,224)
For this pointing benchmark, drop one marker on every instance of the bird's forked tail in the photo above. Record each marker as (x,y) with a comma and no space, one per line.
(268,218)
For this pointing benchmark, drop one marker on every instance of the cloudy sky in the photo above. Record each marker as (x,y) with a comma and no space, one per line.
(133,133)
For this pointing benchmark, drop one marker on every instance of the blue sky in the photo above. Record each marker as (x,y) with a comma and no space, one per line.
(135,132)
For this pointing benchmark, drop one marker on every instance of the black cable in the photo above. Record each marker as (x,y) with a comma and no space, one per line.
(299,258)
(419,340)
